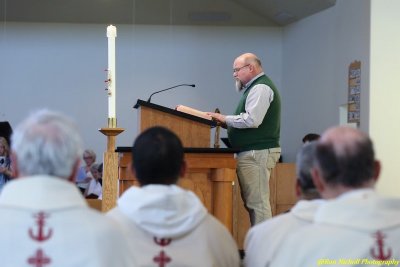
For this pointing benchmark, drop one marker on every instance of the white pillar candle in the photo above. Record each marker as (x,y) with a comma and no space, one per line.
(111,34)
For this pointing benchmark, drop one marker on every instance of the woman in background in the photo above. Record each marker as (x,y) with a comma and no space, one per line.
(5,162)
(84,173)
(94,190)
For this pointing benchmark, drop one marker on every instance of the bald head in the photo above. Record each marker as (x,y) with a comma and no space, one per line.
(345,156)
(345,140)
(249,58)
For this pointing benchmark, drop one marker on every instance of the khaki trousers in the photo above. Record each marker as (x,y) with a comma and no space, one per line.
(254,170)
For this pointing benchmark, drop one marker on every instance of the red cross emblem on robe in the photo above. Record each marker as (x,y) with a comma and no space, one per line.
(39,259)
(162,258)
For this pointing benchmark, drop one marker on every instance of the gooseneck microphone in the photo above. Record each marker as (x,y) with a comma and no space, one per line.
(169,88)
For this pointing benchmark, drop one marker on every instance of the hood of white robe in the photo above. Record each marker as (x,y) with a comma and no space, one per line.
(305,209)
(164,211)
(361,209)
(41,191)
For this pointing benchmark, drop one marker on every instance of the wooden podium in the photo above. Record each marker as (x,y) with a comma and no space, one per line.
(193,131)
(210,171)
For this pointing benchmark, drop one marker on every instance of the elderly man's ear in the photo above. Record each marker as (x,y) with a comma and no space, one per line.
(377,170)
(183,170)
(318,180)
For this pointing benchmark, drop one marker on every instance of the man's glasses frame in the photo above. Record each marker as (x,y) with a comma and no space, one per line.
(236,70)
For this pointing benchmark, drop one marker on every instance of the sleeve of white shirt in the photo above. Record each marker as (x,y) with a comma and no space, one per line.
(257,104)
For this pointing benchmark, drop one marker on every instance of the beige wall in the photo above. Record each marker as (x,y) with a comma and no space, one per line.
(384,91)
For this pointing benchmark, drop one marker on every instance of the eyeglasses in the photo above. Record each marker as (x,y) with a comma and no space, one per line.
(235,70)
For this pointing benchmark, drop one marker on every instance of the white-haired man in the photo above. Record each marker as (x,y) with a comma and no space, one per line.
(45,221)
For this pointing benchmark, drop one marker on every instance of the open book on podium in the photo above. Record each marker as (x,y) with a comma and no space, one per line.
(193,112)
(203,115)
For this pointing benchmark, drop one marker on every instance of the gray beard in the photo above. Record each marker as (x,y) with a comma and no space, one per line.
(238,85)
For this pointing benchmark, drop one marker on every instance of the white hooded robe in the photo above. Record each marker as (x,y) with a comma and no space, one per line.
(46,222)
(169,226)
(359,228)
(263,240)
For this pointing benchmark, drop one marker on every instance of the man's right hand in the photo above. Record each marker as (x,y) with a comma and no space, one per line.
(219,118)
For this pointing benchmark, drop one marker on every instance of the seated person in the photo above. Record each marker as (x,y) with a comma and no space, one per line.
(5,162)
(355,226)
(94,190)
(263,240)
(310,137)
(45,221)
(165,223)
(84,175)
(100,171)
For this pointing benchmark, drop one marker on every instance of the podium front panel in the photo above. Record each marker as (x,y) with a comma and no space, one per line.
(191,133)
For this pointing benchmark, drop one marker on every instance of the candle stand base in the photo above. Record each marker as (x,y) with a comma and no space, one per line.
(110,170)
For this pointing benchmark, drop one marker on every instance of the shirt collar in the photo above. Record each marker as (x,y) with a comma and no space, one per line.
(252,80)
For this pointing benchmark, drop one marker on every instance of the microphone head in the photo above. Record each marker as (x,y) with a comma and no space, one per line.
(192,85)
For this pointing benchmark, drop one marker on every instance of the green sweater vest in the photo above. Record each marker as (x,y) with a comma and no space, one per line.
(267,134)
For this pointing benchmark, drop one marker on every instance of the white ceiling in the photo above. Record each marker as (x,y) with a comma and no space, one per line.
(163,12)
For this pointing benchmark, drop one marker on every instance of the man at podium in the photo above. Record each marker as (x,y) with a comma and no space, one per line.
(254,129)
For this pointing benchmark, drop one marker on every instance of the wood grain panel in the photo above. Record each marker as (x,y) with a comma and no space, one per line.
(191,133)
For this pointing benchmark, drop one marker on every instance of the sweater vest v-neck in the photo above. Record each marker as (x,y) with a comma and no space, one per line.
(267,134)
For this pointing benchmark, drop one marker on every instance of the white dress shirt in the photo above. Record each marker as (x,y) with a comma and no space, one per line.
(257,104)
